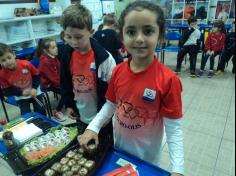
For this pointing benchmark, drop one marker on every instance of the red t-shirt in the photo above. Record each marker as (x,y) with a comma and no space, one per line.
(129,89)
(143,99)
(50,72)
(215,42)
(21,77)
(83,71)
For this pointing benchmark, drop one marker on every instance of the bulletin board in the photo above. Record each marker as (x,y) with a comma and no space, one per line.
(222,10)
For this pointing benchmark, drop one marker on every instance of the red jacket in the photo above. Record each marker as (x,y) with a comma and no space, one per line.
(50,71)
(215,42)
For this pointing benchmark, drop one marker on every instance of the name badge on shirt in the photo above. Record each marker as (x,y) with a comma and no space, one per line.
(92,67)
(25,71)
(149,95)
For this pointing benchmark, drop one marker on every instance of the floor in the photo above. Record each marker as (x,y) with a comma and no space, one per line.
(209,124)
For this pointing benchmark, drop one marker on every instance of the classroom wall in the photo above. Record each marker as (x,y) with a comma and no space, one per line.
(120,5)
(7,10)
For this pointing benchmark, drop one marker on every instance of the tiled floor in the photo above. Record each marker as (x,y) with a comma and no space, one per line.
(209,125)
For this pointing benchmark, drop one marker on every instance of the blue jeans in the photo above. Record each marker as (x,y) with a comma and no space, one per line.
(212,60)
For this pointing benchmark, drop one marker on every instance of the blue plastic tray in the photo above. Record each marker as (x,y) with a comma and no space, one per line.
(144,168)
(3,148)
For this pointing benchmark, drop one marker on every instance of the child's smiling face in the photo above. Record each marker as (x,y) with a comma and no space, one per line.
(141,33)
(8,60)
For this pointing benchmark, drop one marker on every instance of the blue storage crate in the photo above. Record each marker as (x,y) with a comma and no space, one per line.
(144,168)
(24,52)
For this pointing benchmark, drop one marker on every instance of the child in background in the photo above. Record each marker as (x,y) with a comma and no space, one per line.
(49,68)
(21,79)
(143,94)
(108,37)
(86,67)
(228,52)
(213,47)
(189,44)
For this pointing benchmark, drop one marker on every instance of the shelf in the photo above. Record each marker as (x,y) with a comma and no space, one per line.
(30,18)
(202,1)
(48,35)
(18,41)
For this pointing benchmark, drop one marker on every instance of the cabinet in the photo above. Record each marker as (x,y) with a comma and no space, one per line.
(24,32)
(183,9)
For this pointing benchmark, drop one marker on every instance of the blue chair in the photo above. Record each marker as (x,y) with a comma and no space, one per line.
(170,37)
(158,52)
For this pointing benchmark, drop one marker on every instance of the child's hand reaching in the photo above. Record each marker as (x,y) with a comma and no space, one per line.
(208,52)
(33,92)
(88,136)
(26,92)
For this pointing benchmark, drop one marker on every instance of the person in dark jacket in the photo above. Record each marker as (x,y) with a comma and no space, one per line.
(228,52)
(189,44)
(86,67)
(108,37)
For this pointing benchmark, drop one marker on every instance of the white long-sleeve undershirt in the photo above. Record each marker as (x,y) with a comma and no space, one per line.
(173,128)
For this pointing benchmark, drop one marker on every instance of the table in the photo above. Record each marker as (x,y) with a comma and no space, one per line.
(110,163)
(3,148)
(144,168)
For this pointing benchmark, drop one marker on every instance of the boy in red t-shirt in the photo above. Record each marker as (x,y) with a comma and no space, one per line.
(86,67)
(21,79)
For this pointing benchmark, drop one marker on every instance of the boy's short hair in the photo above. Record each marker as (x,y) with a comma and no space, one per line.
(192,20)
(5,49)
(110,20)
(76,16)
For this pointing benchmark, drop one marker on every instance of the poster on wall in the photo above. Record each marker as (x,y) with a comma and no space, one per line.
(232,10)
(222,10)
(108,7)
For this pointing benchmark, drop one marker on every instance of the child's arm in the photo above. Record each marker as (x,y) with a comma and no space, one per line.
(102,118)
(220,46)
(171,110)
(47,72)
(66,81)
(35,75)
(174,135)
(208,43)
(107,66)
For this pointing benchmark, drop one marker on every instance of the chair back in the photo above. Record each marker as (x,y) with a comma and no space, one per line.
(173,35)
(35,62)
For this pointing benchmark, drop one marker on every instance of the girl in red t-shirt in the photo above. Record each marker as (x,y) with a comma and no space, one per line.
(213,47)
(49,68)
(143,96)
